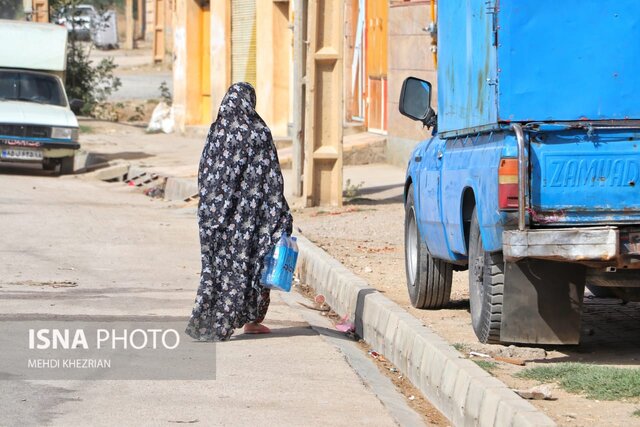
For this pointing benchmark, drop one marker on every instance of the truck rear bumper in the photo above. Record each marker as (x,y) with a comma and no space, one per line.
(599,244)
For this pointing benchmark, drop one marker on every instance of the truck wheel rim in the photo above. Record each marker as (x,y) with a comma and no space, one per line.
(412,246)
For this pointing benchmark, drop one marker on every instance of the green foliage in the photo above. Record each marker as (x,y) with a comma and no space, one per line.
(458,346)
(595,382)
(11,9)
(165,93)
(92,84)
(352,190)
(487,365)
(636,413)
(139,114)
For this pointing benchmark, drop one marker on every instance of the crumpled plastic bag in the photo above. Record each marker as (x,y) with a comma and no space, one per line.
(162,119)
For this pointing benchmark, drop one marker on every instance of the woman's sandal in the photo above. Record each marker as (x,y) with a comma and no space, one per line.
(256,328)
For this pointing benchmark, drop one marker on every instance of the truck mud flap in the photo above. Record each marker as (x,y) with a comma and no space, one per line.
(542,302)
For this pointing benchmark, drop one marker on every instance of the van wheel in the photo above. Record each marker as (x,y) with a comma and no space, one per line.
(486,286)
(66,165)
(428,279)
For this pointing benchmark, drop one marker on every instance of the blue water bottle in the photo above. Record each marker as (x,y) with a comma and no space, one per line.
(279,264)
(292,259)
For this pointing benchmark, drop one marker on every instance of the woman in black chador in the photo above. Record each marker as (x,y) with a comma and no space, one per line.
(241,215)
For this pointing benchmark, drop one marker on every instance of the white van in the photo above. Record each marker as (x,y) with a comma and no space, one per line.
(36,121)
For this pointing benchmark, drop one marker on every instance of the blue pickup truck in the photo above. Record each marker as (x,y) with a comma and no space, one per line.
(531,179)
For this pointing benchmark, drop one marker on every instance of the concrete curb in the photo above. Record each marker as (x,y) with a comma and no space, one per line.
(465,393)
(180,188)
(174,188)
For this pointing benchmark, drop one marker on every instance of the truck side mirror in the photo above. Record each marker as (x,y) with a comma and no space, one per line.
(415,101)
(76,105)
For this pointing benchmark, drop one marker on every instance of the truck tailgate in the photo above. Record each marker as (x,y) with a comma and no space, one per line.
(583,177)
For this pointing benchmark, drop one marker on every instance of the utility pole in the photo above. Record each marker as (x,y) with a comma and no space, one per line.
(299,66)
(128,42)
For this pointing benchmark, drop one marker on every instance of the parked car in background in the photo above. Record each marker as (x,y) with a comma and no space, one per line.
(79,20)
(36,121)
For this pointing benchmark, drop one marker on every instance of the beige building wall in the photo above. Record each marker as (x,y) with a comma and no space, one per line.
(220,52)
(273,60)
(191,75)
(409,55)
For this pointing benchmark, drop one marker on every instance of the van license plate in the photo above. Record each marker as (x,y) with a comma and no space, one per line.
(20,154)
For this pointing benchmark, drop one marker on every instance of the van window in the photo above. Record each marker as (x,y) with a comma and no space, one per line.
(31,87)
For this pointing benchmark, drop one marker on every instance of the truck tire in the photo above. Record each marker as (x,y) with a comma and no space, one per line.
(601,291)
(66,165)
(486,286)
(428,278)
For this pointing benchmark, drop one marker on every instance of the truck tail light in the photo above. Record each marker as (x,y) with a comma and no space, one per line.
(508,184)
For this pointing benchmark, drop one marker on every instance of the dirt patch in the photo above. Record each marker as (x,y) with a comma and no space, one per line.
(415,399)
(369,241)
(133,112)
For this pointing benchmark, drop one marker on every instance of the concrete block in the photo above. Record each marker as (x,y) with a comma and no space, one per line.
(508,409)
(447,384)
(180,188)
(370,315)
(425,367)
(390,333)
(493,398)
(436,369)
(415,358)
(135,171)
(532,419)
(403,341)
(116,171)
(473,401)
(381,327)
(459,397)
(489,408)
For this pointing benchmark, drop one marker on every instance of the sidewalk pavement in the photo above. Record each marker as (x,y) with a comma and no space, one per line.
(462,391)
(119,256)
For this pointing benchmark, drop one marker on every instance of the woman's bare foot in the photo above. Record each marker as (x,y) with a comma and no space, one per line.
(256,328)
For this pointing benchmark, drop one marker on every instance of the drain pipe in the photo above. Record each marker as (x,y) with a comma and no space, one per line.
(522,174)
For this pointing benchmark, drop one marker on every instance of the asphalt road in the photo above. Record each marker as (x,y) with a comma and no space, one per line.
(142,86)
(74,249)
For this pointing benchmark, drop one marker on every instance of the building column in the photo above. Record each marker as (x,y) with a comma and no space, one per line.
(220,51)
(273,58)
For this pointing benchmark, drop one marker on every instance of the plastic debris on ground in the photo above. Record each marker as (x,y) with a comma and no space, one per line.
(162,119)
(345,325)
(377,356)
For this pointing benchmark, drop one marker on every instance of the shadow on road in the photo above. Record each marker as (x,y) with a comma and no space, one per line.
(300,329)
(26,169)
(380,195)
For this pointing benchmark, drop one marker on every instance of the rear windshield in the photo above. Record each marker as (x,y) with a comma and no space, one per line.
(31,87)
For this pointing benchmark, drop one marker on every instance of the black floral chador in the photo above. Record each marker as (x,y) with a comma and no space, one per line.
(241,215)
